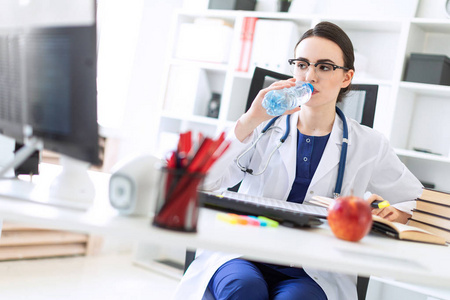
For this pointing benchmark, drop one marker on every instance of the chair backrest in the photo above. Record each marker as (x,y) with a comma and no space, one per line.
(359,104)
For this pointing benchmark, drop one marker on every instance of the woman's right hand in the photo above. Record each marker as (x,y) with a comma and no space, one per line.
(257,114)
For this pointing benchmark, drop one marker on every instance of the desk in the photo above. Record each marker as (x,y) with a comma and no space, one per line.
(315,247)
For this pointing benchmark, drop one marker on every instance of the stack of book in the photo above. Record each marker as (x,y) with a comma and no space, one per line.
(432,213)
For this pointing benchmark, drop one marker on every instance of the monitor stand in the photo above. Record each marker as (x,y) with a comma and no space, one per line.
(72,188)
(73,183)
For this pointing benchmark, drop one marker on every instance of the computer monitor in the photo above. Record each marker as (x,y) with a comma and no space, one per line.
(48,90)
(359,104)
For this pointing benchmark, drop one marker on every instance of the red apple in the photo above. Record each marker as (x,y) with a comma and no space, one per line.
(350,218)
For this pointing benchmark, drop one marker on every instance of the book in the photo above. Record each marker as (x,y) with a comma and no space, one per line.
(431,219)
(445,233)
(248,30)
(392,229)
(435,196)
(405,232)
(434,208)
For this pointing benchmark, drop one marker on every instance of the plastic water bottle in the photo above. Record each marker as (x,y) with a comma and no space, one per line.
(276,102)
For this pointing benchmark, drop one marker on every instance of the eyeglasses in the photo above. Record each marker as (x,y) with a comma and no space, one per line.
(323,70)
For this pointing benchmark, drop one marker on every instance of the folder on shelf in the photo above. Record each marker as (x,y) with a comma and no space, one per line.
(247,33)
(273,44)
(206,40)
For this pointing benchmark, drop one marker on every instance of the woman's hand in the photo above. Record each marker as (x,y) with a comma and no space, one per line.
(257,114)
(389,213)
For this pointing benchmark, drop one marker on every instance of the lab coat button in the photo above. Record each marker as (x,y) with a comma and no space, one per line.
(315,278)
(311,192)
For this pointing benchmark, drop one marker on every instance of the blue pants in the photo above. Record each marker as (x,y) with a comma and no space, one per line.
(242,279)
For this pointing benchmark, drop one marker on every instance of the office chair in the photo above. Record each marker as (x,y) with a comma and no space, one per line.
(364,99)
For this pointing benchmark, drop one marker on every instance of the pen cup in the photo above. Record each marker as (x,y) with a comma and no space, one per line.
(177,202)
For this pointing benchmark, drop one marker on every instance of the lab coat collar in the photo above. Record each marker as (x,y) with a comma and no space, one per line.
(288,151)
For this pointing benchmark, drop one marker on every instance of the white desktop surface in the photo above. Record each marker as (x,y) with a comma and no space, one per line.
(317,247)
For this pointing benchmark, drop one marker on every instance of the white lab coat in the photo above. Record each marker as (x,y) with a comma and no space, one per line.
(371,166)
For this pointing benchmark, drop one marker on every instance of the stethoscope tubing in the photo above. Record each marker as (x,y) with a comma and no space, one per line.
(342,160)
(265,129)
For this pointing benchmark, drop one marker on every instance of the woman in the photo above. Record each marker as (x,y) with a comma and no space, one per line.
(304,166)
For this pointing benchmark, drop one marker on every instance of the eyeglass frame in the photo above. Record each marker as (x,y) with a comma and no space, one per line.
(292,60)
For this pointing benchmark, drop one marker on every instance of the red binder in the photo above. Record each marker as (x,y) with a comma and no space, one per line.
(248,30)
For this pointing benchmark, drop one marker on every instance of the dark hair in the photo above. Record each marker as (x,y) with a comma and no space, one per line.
(335,34)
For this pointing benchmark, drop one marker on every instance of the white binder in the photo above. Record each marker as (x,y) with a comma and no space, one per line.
(273,45)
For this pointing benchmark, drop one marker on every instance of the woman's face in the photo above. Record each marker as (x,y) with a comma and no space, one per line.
(326,90)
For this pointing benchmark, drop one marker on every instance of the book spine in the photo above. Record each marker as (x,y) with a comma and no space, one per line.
(248,43)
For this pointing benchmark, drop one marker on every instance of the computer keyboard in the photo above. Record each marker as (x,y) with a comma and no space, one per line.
(287,213)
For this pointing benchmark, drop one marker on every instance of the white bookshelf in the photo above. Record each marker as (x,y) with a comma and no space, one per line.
(410,115)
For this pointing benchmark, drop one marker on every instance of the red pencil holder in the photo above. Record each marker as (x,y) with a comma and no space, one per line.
(177,202)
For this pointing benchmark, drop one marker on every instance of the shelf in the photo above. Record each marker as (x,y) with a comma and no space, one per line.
(366,24)
(200,64)
(243,75)
(421,155)
(368,80)
(426,89)
(228,15)
(189,118)
(432,25)
(298,18)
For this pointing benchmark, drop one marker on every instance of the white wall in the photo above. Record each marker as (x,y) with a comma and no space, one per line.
(137,84)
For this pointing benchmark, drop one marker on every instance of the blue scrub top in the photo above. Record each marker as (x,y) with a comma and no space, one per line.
(309,153)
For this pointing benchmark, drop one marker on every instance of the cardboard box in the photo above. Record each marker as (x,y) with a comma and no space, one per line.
(204,41)
(428,68)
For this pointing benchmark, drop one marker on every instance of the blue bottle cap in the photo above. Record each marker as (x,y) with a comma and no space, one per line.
(310,86)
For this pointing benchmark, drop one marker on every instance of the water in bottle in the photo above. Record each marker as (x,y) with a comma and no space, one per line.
(276,102)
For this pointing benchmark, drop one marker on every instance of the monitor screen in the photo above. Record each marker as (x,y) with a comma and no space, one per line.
(48,90)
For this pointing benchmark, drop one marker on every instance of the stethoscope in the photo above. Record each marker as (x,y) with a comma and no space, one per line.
(342,160)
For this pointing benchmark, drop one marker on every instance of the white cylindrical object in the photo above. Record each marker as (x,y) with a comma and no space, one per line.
(73,183)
